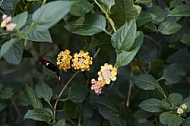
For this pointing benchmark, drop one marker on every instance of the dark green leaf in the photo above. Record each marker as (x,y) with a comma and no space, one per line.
(143,1)
(78,93)
(36,103)
(173,73)
(109,3)
(3,104)
(164,117)
(186,39)
(180,10)
(175,99)
(81,8)
(124,37)
(159,12)
(88,25)
(174,3)
(14,54)
(50,13)
(144,18)
(166,105)
(186,122)
(174,120)
(145,82)
(7,93)
(187,1)
(20,20)
(61,122)
(43,91)
(7,5)
(39,114)
(6,46)
(168,28)
(151,105)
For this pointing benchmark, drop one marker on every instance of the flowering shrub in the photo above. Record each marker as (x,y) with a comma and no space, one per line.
(103,63)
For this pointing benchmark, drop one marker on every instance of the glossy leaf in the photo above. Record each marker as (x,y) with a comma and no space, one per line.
(14,53)
(78,93)
(173,73)
(7,93)
(36,103)
(20,20)
(88,25)
(50,13)
(151,105)
(61,122)
(168,28)
(39,114)
(124,37)
(43,91)
(180,10)
(145,82)
(81,8)
(175,99)
(6,46)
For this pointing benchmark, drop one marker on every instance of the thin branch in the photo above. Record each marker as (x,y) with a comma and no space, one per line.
(129,91)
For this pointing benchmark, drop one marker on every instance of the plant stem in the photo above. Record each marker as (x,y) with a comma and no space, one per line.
(129,90)
(56,102)
(107,16)
(162,91)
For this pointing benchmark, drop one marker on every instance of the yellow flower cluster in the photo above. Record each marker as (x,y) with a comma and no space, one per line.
(106,74)
(63,60)
(82,61)
(7,23)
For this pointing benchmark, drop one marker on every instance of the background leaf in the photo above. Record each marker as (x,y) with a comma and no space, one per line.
(175,99)
(6,46)
(20,20)
(61,122)
(168,28)
(180,10)
(7,93)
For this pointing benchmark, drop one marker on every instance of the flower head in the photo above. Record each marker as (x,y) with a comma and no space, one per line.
(180,111)
(63,60)
(107,73)
(184,106)
(7,23)
(97,86)
(82,61)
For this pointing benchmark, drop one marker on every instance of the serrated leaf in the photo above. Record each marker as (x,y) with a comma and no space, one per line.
(175,99)
(78,93)
(81,8)
(7,93)
(163,117)
(6,46)
(143,1)
(186,39)
(50,13)
(174,120)
(39,114)
(173,73)
(168,28)
(145,82)
(43,91)
(180,10)
(36,103)
(88,25)
(20,20)
(61,122)
(14,53)
(151,105)
(124,37)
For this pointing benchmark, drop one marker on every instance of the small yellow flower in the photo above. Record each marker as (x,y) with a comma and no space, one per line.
(3,24)
(63,60)
(107,73)
(82,61)
(180,111)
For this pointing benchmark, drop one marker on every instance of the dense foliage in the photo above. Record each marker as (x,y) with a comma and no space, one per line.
(95,63)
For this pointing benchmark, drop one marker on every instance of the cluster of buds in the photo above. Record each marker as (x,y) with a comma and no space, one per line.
(181,109)
(7,23)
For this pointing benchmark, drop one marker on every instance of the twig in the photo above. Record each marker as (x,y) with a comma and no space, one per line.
(129,91)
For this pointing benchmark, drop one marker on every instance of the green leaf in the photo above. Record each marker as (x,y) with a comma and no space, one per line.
(144,18)
(7,93)
(20,20)
(6,46)
(39,114)
(81,8)
(78,93)
(88,25)
(186,122)
(36,103)
(166,105)
(50,13)
(175,99)
(167,28)
(158,12)
(174,120)
(164,117)
(174,3)
(180,10)
(43,91)
(145,82)
(143,1)
(124,37)
(14,53)
(3,104)
(186,39)
(173,73)
(109,3)
(151,105)
(61,122)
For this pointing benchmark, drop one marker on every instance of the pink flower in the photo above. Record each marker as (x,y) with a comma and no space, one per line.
(10,26)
